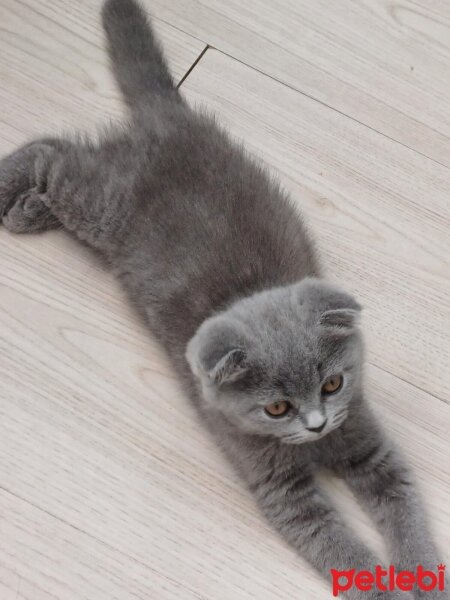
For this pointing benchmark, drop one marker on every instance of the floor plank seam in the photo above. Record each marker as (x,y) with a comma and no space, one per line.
(314,99)
(417,387)
(192,67)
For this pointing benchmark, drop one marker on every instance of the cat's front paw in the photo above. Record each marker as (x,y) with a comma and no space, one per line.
(29,214)
(380,595)
(432,595)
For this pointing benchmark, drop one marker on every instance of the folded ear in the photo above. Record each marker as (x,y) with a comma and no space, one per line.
(342,318)
(230,367)
(216,352)
(335,308)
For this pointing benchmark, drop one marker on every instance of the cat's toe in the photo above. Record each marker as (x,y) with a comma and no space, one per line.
(29,214)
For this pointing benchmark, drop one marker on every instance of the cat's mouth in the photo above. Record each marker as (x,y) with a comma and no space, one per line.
(307,436)
(302,437)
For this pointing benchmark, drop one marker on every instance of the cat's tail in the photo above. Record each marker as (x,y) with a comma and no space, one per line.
(136,57)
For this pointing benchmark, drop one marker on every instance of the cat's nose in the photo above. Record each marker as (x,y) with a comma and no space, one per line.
(317,429)
(315,421)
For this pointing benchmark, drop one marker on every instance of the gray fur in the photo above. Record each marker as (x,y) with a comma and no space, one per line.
(218,262)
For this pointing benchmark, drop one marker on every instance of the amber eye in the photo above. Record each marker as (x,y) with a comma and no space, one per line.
(332,384)
(278,409)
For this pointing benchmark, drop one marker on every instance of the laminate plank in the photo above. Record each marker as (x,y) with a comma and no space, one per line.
(382,63)
(379,211)
(43,558)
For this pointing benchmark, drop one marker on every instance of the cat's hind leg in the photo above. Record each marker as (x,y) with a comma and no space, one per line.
(83,186)
(21,208)
(89,189)
(29,214)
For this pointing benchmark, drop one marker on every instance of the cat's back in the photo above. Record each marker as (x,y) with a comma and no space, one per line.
(211,224)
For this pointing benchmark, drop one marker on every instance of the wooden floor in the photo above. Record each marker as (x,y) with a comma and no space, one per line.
(109,488)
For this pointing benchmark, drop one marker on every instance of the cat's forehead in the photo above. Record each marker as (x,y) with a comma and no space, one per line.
(292,355)
(299,349)
(287,323)
(286,331)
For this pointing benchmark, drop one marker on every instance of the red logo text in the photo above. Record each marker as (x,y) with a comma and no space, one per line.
(388,579)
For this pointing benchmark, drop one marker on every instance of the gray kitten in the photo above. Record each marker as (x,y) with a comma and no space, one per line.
(217,260)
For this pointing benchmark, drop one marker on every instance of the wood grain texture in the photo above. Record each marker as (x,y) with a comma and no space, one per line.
(110,489)
(384,63)
(379,211)
(97,435)
(54,70)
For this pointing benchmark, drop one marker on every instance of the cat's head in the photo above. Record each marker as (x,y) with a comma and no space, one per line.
(285,362)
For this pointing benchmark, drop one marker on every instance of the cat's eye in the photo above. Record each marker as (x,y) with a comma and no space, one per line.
(332,384)
(278,409)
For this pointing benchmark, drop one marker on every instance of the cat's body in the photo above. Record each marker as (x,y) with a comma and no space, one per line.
(219,264)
